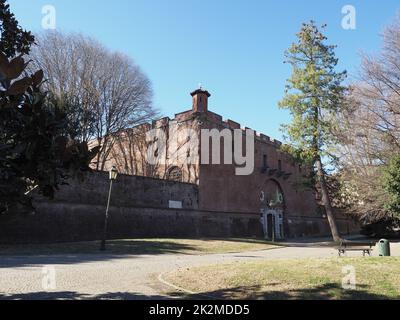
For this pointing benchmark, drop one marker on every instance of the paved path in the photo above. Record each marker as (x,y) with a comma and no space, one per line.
(119,277)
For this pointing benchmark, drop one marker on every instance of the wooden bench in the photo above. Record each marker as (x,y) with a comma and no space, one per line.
(365,247)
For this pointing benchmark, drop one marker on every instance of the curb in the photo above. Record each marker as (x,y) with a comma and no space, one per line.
(160,278)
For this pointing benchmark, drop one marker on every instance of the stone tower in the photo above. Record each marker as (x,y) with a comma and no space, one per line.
(200,100)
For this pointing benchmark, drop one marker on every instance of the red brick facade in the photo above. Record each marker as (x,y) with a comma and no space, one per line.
(276,174)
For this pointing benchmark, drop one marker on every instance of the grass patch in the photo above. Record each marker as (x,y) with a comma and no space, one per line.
(141,246)
(376,278)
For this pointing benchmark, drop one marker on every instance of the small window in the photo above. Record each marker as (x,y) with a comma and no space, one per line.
(280,165)
(300,169)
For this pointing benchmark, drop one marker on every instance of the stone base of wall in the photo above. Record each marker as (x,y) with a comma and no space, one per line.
(64,222)
(67,222)
(308,226)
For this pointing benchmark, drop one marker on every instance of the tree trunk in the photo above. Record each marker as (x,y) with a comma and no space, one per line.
(326,201)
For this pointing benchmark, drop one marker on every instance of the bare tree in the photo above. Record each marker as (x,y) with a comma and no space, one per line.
(369,130)
(105,92)
(130,151)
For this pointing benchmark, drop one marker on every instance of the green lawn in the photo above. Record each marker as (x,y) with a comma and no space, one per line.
(141,246)
(376,278)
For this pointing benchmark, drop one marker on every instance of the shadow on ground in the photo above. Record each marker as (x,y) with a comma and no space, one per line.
(327,291)
(69,295)
(73,253)
(92,247)
(323,292)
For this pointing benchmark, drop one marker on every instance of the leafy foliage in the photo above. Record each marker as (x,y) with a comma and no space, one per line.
(391,184)
(313,93)
(383,228)
(14,40)
(35,150)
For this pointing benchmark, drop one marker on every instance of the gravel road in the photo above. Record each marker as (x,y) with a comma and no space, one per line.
(118,277)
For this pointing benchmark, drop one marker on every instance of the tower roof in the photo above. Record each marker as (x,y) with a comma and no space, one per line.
(200,90)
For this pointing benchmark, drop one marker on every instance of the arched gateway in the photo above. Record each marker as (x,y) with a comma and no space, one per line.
(272,210)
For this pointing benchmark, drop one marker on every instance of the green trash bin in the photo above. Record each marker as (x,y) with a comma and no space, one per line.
(384,248)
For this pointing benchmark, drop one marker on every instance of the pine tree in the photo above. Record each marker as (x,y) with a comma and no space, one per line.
(314,94)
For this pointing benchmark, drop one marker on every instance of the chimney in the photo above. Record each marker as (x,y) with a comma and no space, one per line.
(200,100)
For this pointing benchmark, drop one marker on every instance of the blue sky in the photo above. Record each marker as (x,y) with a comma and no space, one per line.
(233,47)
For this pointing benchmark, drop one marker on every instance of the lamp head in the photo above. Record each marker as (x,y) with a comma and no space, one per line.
(113,173)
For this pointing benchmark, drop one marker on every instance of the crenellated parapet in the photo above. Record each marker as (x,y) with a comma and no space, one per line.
(159,123)
(232,124)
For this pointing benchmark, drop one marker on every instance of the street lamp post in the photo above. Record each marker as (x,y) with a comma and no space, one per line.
(113,176)
(273,228)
